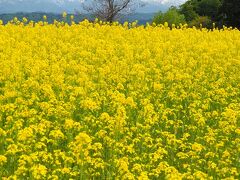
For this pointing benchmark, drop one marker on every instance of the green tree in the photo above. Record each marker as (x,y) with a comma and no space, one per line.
(203,21)
(231,12)
(109,10)
(188,9)
(172,16)
(209,8)
(203,12)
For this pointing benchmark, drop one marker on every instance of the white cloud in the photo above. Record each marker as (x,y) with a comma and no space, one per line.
(172,2)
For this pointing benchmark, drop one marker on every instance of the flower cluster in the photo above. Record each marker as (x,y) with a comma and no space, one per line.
(100,101)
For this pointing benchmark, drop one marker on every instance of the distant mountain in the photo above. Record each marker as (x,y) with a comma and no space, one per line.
(53,6)
(58,6)
(142,18)
(153,7)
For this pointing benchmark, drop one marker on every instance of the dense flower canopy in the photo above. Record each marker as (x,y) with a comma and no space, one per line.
(100,101)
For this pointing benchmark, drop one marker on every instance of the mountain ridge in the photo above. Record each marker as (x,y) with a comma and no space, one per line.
(54,6)
(142,18)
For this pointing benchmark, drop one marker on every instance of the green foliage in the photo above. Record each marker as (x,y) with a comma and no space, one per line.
(188,10)
(203,21)
(208,8)
(203,12)
(231,12)
(172,16)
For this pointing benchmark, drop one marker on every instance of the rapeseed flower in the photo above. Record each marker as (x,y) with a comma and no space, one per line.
(99,101)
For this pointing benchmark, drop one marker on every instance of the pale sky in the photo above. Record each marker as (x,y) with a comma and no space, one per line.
(8,6)
(156,1)
(167,1)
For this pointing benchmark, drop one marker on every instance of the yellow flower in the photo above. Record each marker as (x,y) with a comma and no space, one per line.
(2,133)
(197,147)
(157,87)
(182,155)
(137,168)
(24,19)
(143,176)
(96,100)
(39,171)
(56,134)
(226,154)
(69,124)
(123,165)
(83,138)
(64,15)
(44,17)
(66,171)
(200,175)
(25,134)
(3,160)
(90,104)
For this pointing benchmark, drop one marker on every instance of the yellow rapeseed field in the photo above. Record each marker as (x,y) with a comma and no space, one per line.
(100,101)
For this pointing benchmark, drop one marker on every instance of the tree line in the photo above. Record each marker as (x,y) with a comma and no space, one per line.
(193,12)
(207,13)
(196,13)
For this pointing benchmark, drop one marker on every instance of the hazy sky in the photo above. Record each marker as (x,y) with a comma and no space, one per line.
(156,1)
(167,1)
(9,6)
